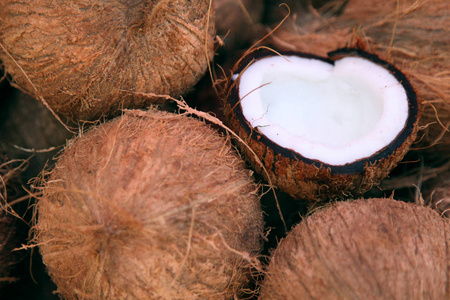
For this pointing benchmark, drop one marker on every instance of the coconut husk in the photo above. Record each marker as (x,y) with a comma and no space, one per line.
(413,35)
(365,249)
(80,57)
(151,205)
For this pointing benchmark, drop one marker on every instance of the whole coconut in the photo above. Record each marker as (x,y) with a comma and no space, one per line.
(366,249)
(151,205)
(81,57)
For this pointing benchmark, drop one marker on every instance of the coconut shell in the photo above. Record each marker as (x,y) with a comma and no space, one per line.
(87,58)
(365,249)
(413,35)
(151,205)
(312,180)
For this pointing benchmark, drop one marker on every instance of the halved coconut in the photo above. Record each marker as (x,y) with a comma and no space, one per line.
(323,127)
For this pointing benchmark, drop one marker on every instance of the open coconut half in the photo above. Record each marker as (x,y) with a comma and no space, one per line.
(323,127)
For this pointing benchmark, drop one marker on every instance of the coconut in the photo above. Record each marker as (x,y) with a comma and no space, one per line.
(365,249)
(322,127)
(408,33)
(151,205)
(81,57)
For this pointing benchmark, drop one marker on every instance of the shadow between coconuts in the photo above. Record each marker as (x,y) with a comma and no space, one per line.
(311,179)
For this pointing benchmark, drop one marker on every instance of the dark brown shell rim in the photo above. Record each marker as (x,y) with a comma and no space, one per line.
(350,168)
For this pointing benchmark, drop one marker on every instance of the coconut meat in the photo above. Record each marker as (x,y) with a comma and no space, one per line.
(336,114)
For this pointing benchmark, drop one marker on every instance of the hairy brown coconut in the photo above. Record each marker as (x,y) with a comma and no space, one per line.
(90,58)
(366,249)
(414,35)
(323,127)
(150,205)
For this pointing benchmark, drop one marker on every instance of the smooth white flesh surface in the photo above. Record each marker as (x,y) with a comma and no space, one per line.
(336,114)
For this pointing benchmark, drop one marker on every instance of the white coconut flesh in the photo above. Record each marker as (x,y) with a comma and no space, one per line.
(336,114)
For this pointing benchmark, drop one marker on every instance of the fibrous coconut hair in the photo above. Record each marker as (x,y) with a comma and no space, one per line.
(151,205)
(86,58)
(365,249)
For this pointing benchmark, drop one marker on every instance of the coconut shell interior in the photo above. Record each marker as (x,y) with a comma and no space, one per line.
(313,180)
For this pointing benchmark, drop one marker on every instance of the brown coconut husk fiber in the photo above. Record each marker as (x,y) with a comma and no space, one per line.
(413,35)
(365,249)
(80,57)
(151,205)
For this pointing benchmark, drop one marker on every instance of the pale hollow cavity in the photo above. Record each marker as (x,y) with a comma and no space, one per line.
(336,114)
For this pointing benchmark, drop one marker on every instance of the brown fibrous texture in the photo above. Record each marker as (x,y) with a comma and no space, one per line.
(87,59)
(151,205)
(413,35)
(365,249)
